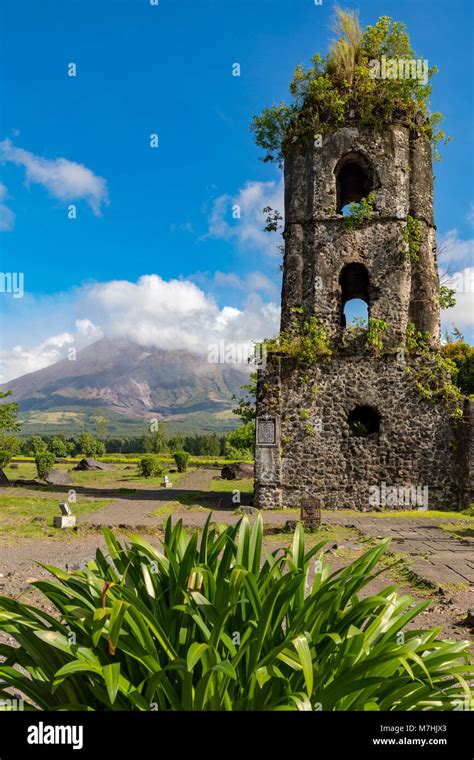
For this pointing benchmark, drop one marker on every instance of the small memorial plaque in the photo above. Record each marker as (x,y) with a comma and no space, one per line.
(266,431)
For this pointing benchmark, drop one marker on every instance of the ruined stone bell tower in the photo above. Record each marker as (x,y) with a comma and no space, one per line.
(356,421)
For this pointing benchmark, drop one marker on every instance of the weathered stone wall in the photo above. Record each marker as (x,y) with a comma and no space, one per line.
(418,444)
(318,245)
(326,247)
(466,454)
(316,456)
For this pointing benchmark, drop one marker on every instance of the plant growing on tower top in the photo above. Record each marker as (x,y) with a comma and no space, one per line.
(371,77)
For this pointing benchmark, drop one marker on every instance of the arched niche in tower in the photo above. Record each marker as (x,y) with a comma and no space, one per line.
(354,180)
(363,421)
(354,282)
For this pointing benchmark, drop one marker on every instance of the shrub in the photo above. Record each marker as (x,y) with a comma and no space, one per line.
(205,624)
(149,466)
(70,448)
(44,460)
(5,457)
(157,441)
(375,331)
(10,442)
(181,458)
(359,213)
(232,454)
(462,355)
(99,449)
(306,341)
(447,297)
(241,442)
(90,446)
(58,447)
(37,445)
(9,446)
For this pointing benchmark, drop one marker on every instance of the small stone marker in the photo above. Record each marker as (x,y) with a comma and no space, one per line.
(311,513)
(66,519)
(167,482)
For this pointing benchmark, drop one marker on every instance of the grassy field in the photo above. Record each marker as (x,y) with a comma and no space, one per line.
(329,533)
(245,486)
(127,479)
(195,461)
(119,478)
(18,512)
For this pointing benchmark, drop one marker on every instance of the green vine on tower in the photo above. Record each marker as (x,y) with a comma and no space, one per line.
(306,341)
(435,374)
(412,235)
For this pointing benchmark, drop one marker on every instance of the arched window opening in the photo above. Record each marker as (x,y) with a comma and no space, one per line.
(355,296)
(353,182)
(346,210)
(363,421)
(355,313)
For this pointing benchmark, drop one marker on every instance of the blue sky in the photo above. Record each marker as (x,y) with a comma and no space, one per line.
(167,70)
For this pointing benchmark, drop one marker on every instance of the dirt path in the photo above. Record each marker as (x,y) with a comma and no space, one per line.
(18,563)
(135,511)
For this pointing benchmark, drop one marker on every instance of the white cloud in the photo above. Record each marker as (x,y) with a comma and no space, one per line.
(168,315)
(228,279)
(452,250)
(66,180)
(456,271)
(86,327)
(175,314)
(470,214)
(462,314)
(253,281)
(7,217)
(247,228)
(20,360)
(260,282)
